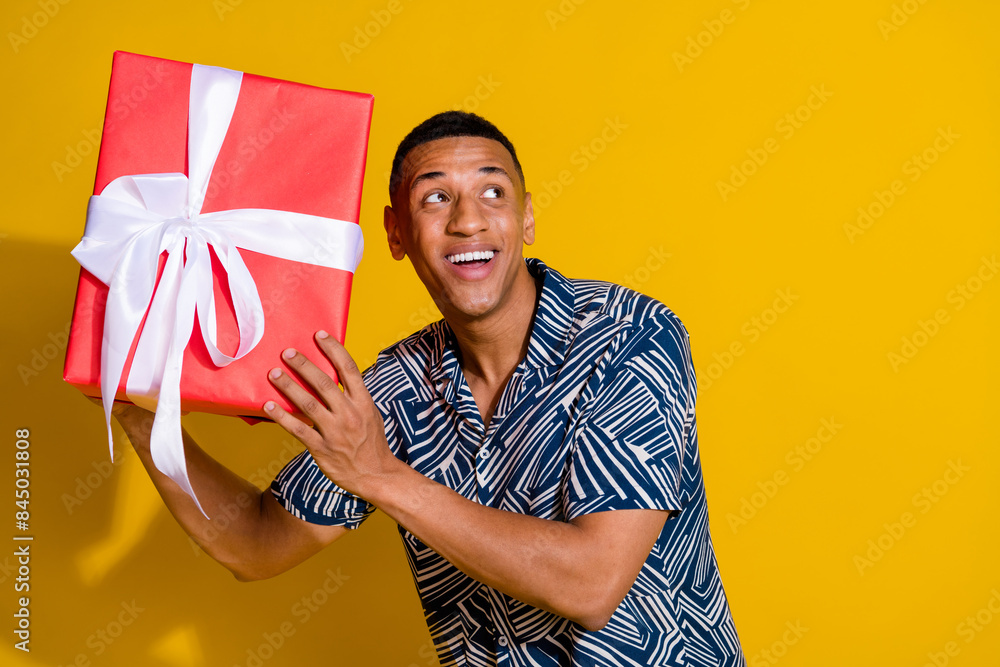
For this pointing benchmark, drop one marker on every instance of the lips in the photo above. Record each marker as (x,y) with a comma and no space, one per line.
(473,264)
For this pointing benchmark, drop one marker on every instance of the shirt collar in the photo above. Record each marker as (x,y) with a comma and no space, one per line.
(549,331)
(553,317)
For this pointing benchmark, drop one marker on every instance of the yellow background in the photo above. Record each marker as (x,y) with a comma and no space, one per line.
(661,132)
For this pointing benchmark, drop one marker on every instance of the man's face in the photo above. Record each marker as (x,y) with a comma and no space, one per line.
(461,215)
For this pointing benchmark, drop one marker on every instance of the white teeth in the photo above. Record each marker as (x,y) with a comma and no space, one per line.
(471,256)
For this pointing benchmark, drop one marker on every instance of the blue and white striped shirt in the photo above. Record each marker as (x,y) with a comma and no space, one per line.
(600,415)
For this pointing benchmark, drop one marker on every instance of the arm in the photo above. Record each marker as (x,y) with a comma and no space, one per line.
(580,570)
(259,538)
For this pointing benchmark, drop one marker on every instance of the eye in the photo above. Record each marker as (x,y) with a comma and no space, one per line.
(493,192)
(434,198)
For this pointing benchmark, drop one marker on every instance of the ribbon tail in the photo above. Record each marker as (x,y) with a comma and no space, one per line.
(166,440)
(119,330)
(146,374)
(107,422)
(129,289)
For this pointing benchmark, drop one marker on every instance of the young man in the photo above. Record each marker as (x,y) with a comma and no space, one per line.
(537,446)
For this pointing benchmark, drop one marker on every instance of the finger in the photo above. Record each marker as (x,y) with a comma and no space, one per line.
(324,385)
(305,401)
(295,426)
(347,369)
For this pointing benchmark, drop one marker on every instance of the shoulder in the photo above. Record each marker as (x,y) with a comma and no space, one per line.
(637,320)
(596,305)
(621,305)
(634,337)
(605,325)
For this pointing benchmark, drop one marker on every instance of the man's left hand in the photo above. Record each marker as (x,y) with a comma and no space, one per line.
(348,441)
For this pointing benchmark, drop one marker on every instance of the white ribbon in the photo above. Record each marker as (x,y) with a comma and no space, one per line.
(136,218)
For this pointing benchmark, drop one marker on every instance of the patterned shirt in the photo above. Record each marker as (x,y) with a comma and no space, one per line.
(598,416)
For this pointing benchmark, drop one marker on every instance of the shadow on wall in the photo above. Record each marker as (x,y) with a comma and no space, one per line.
(113,579)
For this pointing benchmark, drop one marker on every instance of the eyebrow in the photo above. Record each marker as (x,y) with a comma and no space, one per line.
(431,175)
(496,170)
(427,176)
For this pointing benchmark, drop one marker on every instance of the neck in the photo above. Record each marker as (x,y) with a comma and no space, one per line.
(493,345)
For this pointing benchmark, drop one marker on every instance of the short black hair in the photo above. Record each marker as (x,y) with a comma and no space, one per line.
(443,125)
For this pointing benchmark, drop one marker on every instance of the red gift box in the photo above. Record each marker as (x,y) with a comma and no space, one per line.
(289,147)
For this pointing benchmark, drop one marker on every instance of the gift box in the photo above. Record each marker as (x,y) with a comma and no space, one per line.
(223,230)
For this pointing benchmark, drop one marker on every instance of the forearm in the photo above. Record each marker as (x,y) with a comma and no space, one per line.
(552,565)
(233,536)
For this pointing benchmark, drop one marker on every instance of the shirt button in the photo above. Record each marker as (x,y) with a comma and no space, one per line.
(502,641)
(484,454)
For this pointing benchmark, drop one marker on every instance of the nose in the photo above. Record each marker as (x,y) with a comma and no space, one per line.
(466,218)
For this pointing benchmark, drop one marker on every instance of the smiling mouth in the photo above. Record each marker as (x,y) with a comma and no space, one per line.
(477,258)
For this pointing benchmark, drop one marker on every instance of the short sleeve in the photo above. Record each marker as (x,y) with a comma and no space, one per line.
(629,448)
(303,490)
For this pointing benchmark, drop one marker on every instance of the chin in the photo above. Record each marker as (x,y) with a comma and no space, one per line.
(467,308)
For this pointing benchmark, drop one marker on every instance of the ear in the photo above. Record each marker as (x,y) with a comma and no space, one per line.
(393,233)
(529,220)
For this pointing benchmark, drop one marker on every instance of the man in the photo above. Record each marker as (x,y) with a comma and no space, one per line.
(537,446)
